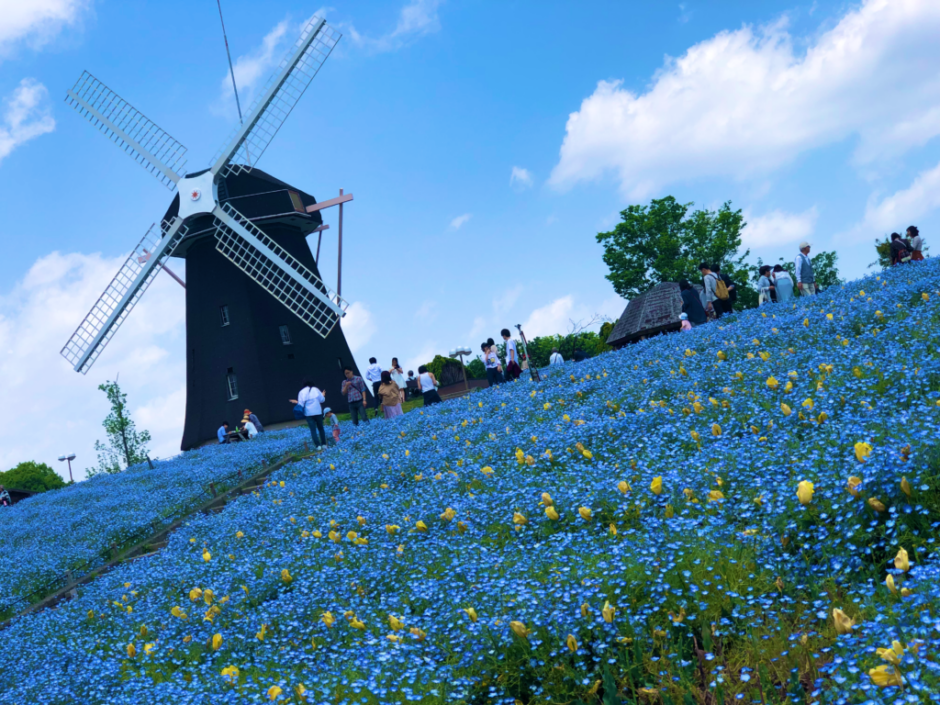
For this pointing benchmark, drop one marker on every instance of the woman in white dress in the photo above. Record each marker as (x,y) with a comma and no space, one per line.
(398,377)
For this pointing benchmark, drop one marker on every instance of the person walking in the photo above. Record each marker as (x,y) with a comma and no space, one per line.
(713,289)
(805,277)
(765,285)
(389,393)
(310,398)
(900,250)
(254,419)
(513,370)
(556,358)
(428,385)
(374,375)
(692,304)
(728,304)
(329,419)
(917,244)
(355,390)
(494,372)
(398,377)
(783,284)
(684,325)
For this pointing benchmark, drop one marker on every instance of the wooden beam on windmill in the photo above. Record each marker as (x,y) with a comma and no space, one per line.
(338,201)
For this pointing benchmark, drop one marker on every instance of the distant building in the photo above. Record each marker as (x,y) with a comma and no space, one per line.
(19,495)
(653,312)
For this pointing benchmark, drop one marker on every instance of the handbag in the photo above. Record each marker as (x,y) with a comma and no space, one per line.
(299,412)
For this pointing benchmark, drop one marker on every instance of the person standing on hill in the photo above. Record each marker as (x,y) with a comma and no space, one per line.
(765,285)
(900,250)
(513,370)
(374,375)
(428,385)
(692,304)
(388,391)
(494,373)
(783,284)
(714,288)
(917,244)
(726,304)
(805,277)
(556,358)
(398,377)
(310,398)
(355,390)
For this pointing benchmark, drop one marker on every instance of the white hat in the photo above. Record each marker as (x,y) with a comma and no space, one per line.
(804,245)
(683,316)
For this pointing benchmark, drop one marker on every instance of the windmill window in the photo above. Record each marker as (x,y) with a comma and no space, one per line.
(231,384)
(223,314)
(285,335)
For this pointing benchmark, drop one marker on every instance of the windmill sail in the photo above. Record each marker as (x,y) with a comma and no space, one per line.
(122,294)
(129,129)
(278,273)
(277,99)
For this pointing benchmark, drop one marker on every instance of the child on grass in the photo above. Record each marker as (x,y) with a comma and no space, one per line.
(329,418)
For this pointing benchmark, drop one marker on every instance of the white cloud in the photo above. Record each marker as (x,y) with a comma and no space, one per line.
(358,325)
(896,212)
(424,355)
(416,19)
(557,317)
(59,410)
(777,227)
(27,116)
(520,178)
(36,22)
(460,221)
(252,69)
(746,102)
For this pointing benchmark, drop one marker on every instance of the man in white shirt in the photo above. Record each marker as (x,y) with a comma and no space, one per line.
(374,375)
(805,277)
(556,358)
(513,369)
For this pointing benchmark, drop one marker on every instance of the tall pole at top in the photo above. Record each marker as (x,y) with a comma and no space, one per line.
(339,261)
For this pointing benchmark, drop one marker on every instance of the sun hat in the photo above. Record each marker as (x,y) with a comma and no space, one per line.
(683,316)
(804,245)
(327,410)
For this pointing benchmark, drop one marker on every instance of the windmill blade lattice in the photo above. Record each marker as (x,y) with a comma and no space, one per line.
(122,294)
(277,271)
(277,99)
(129,129)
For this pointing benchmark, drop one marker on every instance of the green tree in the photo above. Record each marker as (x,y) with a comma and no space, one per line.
(666,242)
(883,250)
(32,476)
(825,270)
(476,369)
(126,445)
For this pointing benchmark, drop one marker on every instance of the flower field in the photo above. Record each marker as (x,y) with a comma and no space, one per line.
(746,512)
(73,529)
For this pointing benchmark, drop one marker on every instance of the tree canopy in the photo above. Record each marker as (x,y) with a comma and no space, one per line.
(126,445)
(665,242)
(32,476)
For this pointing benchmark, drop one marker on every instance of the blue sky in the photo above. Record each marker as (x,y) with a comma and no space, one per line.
(486,144)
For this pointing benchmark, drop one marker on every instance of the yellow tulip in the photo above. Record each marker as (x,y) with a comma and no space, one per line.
(471,613)
(804,492)
(334,536)
(585,610)
(889,581)
(261,633)
(216,642)
(608,612)
(808,404)
(519,629)
(448,514)
(885,676)
(697,407)
(585,513)
(551,513)
(230,672)
(656,486)
(487,470)
(355,623)
(519,519)
(772,383)
(301,692)
(328,619)
(421,526)
(905,486)
(695,436)
(177,612)
(806,322)
(862,451)
(892,655)
(273,692)
(612,529)
(547,499)
(395,623)
(876,504)
(623,486)
(670,513)
(853,485)
(715,495)
(721,355)
(206,556)
(131,651)
(786,410)
(842,622)
(392,528)
(286,577)
(901,561)
(572,643)
(716,429)
(195,594)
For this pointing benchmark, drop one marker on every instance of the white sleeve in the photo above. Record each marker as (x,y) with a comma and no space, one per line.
(320,397)
(797,263)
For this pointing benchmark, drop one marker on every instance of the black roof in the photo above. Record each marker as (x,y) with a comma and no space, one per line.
(652,312)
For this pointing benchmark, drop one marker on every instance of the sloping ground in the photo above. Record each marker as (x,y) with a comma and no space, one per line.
(75,528)
(629,530)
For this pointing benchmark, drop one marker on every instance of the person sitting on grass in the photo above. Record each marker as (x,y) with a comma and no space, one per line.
(249,430)
(221,434)
(329,419)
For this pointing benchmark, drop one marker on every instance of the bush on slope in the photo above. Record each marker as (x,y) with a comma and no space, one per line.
(421,560)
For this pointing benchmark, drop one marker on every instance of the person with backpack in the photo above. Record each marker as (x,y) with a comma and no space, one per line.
(900,249)
(805,277)
(728,304)
(716,291)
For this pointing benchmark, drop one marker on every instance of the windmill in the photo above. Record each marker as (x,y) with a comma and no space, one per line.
(204,226)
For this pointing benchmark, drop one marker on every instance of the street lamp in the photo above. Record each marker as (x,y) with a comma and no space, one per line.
(460,352)
(70,457)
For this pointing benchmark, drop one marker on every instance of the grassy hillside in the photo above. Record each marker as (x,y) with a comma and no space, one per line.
(747,511)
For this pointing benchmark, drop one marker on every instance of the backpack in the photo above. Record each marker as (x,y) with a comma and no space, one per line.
(721,289)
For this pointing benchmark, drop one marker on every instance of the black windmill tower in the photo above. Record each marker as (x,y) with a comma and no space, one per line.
(258,316)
